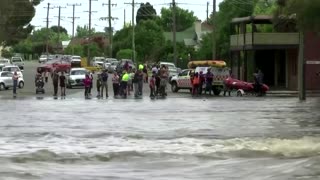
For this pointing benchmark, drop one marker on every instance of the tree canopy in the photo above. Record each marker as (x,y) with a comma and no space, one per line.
(15,17)
(35,43)
(82,32)
(149,40)
(228,9)
(305,12)
(56,29)
(184,19)
(145,12)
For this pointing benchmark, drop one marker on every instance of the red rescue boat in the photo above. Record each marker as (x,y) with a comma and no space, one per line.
(246,87)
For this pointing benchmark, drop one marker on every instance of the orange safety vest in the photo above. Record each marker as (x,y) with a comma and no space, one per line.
(196,80)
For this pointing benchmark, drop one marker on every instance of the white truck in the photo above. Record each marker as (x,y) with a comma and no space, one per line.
(182,80)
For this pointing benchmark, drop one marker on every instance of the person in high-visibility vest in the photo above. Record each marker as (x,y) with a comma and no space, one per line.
(124,83)
(195,84)
(140,67)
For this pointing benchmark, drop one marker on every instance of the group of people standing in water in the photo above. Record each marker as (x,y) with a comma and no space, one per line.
(129,81)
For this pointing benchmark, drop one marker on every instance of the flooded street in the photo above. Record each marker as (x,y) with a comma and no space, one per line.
(172,139)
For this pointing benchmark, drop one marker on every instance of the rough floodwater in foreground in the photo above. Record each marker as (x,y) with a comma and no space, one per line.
(173,139)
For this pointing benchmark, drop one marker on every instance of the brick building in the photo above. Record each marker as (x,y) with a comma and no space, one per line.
(275,53)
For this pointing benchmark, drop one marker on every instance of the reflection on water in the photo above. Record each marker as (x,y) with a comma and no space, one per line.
(232,138)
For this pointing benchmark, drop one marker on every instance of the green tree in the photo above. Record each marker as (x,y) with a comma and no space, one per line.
(42,34)
(25,47)
(94,49)
(185,19)
(6,53)
(228,9)
(56,29)
(122,39)
(149,40)
(78,50)
(205,51)
(62,37)
(124,54)
(145,12)
(306,12)
(82,32)
(14,25)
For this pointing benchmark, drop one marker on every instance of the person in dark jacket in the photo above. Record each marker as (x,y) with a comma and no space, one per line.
(209,80)
(98,84)
(104,83)
(138,83)
(55,80)
(62,80)
(258,82)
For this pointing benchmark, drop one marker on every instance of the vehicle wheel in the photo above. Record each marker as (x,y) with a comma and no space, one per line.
(239,93)
(2,87)
(21,84)
(7,88)
(174,87)
(216,92)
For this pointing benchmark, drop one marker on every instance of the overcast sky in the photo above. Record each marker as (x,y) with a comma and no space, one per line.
(199,8)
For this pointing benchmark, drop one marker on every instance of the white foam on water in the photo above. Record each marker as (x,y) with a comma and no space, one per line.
(229,148)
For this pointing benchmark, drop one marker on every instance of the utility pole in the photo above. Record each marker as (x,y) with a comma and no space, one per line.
(124,17)
(133,35)
(89,38)
(47,38)
(73,21)
(214,48)
(301,69)
(110,18)
(59,19)
(207,11)
(174,29)
(133,3)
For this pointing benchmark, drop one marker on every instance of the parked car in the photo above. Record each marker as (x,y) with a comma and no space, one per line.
(106,66)
(58,65)
(4,62)
(76,77)
(112,66)
(44,58)
(12,69)
(18,61)
(98,61)
(109,60)
(6,81)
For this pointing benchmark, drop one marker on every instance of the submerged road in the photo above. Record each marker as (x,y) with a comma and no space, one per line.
(176,138)
(171,139)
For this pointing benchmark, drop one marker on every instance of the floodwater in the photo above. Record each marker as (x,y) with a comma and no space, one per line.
(172,139)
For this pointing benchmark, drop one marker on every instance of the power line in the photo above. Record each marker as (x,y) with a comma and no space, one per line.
(90,13)
(214,43)
(59,19)
(133,4)
(73,20)
(110,18)
(174,11)
(207,11)
(47,38)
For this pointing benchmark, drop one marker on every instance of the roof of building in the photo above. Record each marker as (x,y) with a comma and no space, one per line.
(65,43)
